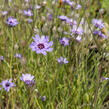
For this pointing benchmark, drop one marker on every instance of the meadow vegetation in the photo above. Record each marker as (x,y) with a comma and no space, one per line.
(54,54)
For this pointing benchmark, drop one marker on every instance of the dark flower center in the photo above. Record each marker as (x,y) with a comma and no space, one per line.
(7,84)
(10,22)
(28,82)
(63,42)
(76,32)
(41,46)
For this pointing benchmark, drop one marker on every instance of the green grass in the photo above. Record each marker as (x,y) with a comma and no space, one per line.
(76,85)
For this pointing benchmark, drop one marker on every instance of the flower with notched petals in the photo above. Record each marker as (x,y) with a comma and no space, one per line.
(11,21)
(41,45)
(7,84)
(28,13)
(98,23)
(62,60)
(64,41)
(27,79)
(77,30)
(99,33)
(4,13)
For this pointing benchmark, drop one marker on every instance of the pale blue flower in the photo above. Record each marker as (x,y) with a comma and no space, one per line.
(7,84)
(41,45)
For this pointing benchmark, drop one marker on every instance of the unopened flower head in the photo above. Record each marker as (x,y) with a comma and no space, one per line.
(28,79)
(62,60)
(1,58)
(11,21)
(44,98)
(7,84)
(41,45)
(64,41)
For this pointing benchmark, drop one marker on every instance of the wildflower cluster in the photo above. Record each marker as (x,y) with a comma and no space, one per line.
(62,45)
(99,26)
(26,78)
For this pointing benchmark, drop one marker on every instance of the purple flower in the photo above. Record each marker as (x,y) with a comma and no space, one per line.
(102,78)
(27,1)
(11,21)
(50,17)
(29,20)
(62,60)
(37,7)
(1,58)
(4,13)
(78,6)
(43,98)
(64,41)
(65,33)
(98,23)
(71,3)
(7,84)
(28,79)
(41,45)
(18,55)
(28,12)
(99,33)
(71,22)
(63,18)
(79,38)
(77,30)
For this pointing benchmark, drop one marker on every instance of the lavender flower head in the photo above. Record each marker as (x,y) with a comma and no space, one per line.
(71,22)
(29,20)
(18,55)
(37,7)
(27,1)
(4,13)
(71,3)
(28,79)
(7,84)
(62,60)
(63,18)
(1,58)
(11,21)
(102,78)
(43,98)
(98,23)
(77,30)
(64,41)
(41,45)
(99,33)
(50,17)
(28,12)
(78,38)
(78,6)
